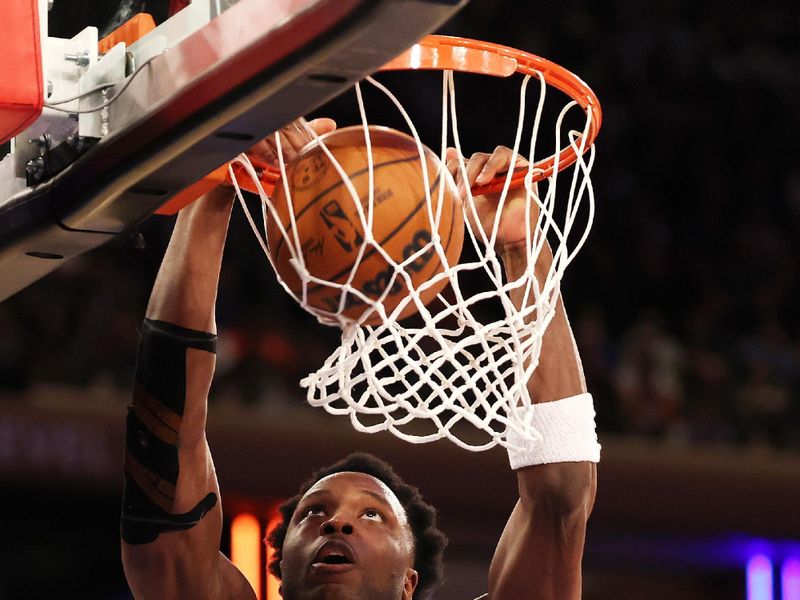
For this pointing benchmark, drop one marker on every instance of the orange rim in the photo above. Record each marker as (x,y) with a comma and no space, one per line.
(439,52)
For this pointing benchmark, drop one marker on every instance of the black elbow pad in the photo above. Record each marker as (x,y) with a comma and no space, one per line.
(151,433)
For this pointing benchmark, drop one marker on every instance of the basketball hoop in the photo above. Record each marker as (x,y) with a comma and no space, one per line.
(427,377)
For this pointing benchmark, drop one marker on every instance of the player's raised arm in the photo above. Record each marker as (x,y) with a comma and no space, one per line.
(171,513)
(539,554)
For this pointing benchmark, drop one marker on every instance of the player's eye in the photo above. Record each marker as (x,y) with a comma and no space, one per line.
(314,511)
(373,514)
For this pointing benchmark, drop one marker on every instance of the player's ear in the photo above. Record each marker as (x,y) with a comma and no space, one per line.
(410,584)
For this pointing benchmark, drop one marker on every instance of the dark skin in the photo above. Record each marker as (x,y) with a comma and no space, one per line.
(356,516)
(539,553)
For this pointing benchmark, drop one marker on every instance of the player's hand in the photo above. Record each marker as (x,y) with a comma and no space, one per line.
(481,168)
(293,137)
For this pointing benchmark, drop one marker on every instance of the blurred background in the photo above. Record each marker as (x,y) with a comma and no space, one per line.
(681,301)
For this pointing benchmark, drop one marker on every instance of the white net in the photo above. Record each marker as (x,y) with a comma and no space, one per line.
(458,369)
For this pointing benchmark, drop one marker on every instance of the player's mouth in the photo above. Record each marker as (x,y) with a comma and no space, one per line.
(334,556)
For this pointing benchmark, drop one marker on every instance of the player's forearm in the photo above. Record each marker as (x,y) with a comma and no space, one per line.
(171,518)
(540,552)
(182,312)
(560,373)
(558,499)
(185,290)
(542,546)
(555,554)
(566,487)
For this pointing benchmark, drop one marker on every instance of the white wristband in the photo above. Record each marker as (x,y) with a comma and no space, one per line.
(568,434)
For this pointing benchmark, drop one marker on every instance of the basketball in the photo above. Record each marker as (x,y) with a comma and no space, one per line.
(330,234)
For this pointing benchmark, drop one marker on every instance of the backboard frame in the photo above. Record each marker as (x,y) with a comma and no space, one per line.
(247,73)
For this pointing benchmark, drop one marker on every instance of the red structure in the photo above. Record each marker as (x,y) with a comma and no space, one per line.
(21,87)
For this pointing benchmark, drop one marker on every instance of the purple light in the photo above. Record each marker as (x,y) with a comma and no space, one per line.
(759,578)
(790,579)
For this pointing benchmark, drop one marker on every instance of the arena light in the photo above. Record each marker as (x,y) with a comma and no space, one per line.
(246,549)
(759,578)
(790,579)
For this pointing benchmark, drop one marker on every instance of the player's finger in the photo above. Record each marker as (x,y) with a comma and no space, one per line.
(293,137)
(322,125)
(264,152)
(453,164)
(300,132)
(498,162)
(475,165)
(454,167)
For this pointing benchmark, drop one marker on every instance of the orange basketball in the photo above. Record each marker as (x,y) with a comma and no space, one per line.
(331,232)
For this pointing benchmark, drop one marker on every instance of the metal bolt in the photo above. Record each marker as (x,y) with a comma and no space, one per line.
(43,141)
(79,58)
(35,168)
(77,142)
(130,63)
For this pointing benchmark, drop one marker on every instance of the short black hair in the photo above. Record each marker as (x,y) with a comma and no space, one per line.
(429,541)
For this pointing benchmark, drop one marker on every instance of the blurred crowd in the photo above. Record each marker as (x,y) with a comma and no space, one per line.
(683,300)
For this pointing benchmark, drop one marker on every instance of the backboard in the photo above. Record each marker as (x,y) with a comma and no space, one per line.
(194,106)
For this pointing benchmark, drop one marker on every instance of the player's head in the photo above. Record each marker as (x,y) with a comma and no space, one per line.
(356,530)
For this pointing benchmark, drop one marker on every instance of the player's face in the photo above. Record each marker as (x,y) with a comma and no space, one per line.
(349,539)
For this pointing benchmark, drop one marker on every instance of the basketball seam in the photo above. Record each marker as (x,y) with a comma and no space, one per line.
(446,247)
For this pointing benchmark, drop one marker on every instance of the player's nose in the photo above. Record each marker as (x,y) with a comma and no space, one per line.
(336,524)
